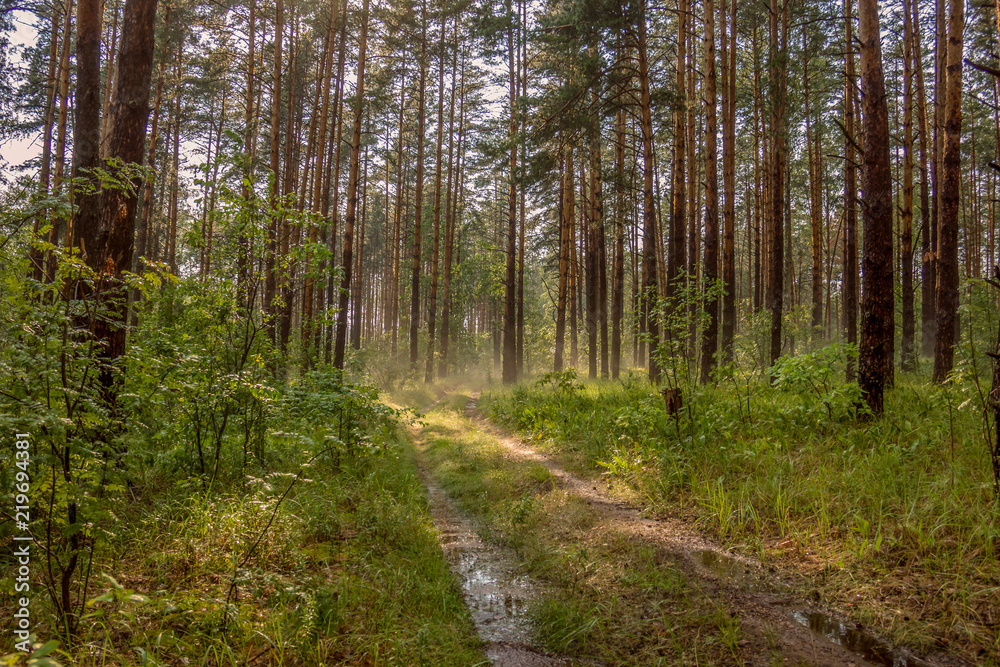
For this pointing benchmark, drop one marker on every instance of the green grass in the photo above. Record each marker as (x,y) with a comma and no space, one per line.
(606,595)
(350,572)
(895,517)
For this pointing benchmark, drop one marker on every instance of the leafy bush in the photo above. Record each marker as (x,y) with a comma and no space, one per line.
(815,378)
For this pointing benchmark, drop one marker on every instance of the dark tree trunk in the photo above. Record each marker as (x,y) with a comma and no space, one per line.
(850,196)
(909,356)
(779,78)
(877,323)
(352,195)
(129,114)
(729,180)
(947,286)
(419,196)
(84,227)
(710,339)
(510,286)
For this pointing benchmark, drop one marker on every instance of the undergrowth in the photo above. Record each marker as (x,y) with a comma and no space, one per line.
(604,595)
(895,517)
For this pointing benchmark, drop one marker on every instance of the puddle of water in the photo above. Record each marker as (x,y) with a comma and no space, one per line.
(857,641)
(496,594)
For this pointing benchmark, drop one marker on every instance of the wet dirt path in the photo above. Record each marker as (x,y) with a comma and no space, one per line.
(494,588)
(770,612)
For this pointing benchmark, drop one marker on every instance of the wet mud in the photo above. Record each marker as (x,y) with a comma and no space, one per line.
(495,591)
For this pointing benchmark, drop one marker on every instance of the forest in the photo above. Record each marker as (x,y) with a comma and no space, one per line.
(459,332)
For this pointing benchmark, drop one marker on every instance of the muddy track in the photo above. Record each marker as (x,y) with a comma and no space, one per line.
(770,612)
(496,591)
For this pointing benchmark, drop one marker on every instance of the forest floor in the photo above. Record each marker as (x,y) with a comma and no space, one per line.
(563,567)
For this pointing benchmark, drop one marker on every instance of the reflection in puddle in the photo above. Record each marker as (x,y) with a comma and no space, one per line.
(496,594)
(857,641)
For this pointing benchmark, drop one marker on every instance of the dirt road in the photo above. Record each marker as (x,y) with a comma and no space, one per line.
(776,624)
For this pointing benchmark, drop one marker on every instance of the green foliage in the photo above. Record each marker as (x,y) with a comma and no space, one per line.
(788,468)
(815,378)
(205,454)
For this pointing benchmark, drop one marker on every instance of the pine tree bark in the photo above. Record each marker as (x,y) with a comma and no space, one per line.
(878,307)
(35,259)
(618,261)
(850,195)
(51,260)
(947,288)
(729,180)
(779,78)
(84,227)
(909,356)
(710,338)
(147,193)
(352,194)
(566,216)
(270,266)
(510,286)
(419,195)
(451,217)
(129,114)
(815,200)
(678,218)
(436,238)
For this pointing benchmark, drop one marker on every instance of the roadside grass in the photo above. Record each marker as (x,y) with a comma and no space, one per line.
(349,572)
(893,520)
(608,596)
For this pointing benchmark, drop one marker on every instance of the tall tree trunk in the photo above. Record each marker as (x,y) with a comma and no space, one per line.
(710,338)
(147,193)
(61,125)
(452,215)
(84,231)
(352,194)
(927,242)
(675,256)
(419,195)
(618,261)
(331,295)
(244,230)
(510,286)
(36,262)
(779,78)
(909,357)
(129,113)
(815,200)
(850,195)
(170,243)
(729,180)
(309,292)
(877,324)
(566,217)
(436,238)
(270,277)
(947,288)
